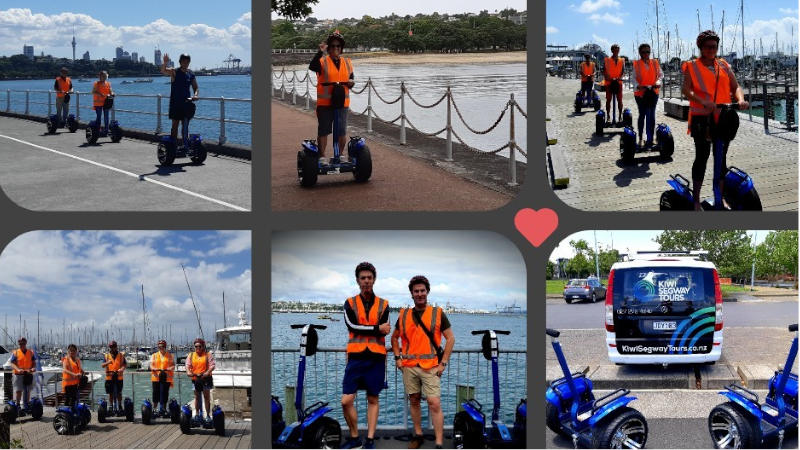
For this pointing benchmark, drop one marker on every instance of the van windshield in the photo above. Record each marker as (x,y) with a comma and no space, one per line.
(677,287)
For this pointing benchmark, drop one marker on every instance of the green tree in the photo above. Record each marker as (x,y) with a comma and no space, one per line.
(293,9)
(550,270)
(777,255)
(729,250)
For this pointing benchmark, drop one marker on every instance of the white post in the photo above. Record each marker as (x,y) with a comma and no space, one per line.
(369,105)
(283,89)
(294,91)
(402,113)
(308,91)
(158,113)
(449,147)
(222,138)
(512,145)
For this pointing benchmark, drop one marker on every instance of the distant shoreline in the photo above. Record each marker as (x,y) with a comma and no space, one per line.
(442,58)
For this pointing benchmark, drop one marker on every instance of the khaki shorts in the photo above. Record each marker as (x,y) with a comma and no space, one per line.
(416,380)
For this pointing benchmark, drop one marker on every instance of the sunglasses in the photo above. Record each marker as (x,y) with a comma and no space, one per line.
(711,47)
(335,46)
(198,346)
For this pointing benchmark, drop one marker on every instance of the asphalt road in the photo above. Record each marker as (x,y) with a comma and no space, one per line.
(62,173)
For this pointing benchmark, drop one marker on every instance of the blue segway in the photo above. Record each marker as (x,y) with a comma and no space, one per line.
(587,101)
(601,120)
(187,421)
(744,422)
(54,123)
(73,419)
(572,410)
(278,424)
(168,148)
(173,411)
(738,191)
(34,407)
(94,131)
(470,429)
(313,428)
(664,145)
(115,409)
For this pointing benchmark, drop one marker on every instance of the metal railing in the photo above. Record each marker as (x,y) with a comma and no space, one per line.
(159,112)
(325,370)
(510,107)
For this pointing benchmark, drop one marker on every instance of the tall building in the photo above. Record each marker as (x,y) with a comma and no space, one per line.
(134,57)
(27,50)
(73,45)
(86,56)
(157,57)
(141,60)
(119,52)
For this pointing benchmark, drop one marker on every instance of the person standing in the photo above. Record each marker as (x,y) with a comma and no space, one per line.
(416,344)
(648,75)
(63,87)
(199,366)
(367,318)
(334,81)
(162,370)
(613,68)
(71,374)
(115,365)
(23,362)
(587,70)
(181,106)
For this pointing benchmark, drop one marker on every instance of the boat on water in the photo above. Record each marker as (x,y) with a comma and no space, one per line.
(324,317)
(143,80)
(83,80)
(232,376)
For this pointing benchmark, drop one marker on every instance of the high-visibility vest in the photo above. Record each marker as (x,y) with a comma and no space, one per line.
(646,74)
(198,362)
(359,342)
(64,85)
(69,379)
(162,362)
(709,85)
(613,69)
(416,348)
(587,70)
(101,88)
(117,363)
(24,360)
(330,74)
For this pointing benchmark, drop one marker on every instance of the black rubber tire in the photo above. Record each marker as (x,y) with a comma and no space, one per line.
(627,120)
(72,125)
(199,154)
(667,146)
(307,165)
(594,297)
(63,425)
(551,419)
(166,154)
(37,409)
(750,201)
(732,413)
(11,413)
(51,127)
(672,201)
(175,416)
(604,432)
(568,300)
(86,417)
(219,423)
(628,145)
(115,134)
(186,423)
(92,134)
(596,105)
(128,407)
(577,106)
(147,414)
(519,433)
(471,436)
(599,123)
(102,412)
(325,432)
(363,168)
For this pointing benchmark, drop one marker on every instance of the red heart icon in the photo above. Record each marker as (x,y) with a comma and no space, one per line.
(536,226)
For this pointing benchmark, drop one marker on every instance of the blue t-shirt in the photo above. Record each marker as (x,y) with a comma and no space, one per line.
(181,87)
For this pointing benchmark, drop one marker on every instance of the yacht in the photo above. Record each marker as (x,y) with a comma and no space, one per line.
(232,375)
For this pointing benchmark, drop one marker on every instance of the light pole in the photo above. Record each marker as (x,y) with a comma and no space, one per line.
(753,268)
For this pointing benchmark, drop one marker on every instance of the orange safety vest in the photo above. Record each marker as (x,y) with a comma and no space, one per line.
(587,70)
(709,85)
(116,364)
(359,342)
(69,379)
(63,86)
(613,69)
(416,348)
(24,360)
(159,362)
(198,362)
(330,74)
(101,88)
(646,74)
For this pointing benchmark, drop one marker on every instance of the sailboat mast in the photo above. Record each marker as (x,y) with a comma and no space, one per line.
(224,318)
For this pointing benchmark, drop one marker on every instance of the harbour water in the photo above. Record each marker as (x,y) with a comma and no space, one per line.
(467,367)
(228,86)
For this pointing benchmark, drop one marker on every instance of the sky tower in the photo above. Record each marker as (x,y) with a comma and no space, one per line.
(73,45)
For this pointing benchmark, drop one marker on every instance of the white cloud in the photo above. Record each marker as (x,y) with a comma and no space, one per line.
(603,42)
(233,242)
(606,18)
(589,6)
(551,30)
(788,11)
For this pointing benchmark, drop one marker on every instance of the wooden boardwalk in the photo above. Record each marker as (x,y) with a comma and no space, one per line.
(600,182)
(120,434)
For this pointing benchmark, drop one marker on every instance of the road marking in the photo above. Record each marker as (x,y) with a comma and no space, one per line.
(131,174)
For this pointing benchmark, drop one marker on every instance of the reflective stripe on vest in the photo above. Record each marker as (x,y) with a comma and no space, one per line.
(330,74)
(68,379)
(416,348)
(197,362)
(116,364)
(63,86)
(357,343)
(102,88)
(613,69)
(648,77)
(24,361)
(162,363)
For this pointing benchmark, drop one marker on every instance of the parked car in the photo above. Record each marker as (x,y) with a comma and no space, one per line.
(584,289)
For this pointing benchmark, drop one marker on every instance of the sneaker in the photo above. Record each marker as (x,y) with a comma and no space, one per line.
(352,442)
(416,441)
(648,144)
(438,446)
(369,443)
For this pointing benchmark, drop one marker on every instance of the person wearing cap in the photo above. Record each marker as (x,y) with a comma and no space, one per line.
(416,344)
(648,76)
(71,373)
(63,87)
(115,365)
(367,318)
(181,110)
(709,81)
(162,370)
(199,366)
(587,70)
(332,99)
(613,68)
(23,362)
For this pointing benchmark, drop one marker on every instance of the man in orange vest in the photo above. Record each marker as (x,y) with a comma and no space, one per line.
(367,318)
(23,362)
(587,70)
(613,68)
(709,81)
(334,81)
(648,75)
(162,370)
(199,366)
(421,358)
(115,365)
(63,87)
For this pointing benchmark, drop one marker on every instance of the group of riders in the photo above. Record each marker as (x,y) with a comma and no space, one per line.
(199,367)
(183,92)
(708,81)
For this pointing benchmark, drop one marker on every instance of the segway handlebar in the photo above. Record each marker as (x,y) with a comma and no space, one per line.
(476,332)
(552,333)
(301,325)
(793,327)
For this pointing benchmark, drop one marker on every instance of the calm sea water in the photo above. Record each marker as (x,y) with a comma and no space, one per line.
(182,390)
(229,86)
(480,92)
(325,369)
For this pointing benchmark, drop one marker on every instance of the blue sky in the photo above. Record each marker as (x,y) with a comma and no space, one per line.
(95,277)
(333,9)
(626,241)
(209,31)
(574,23)
(475,269)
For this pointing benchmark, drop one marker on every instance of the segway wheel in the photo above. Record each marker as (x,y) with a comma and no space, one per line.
(599,123)
(92,134)
(596,104)
(730,427)
(551,419)
(627,118)
(166,153)
(628,146)
(626,428)
(72,125)
(11,413)
(102,412)
(672,201)
(128,408)
(577,106)
(219,421)
(37,409)
(199,154)
(116,134)
(466,433)
(324,432)
(51,127)
(666,146)
(750,201)
(174,413)
(520,426)
(186,423)
(147,414)
(86,417)
(307,166)
(363,169)
(62,423)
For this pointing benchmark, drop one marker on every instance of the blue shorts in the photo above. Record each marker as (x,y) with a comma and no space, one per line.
(364,374)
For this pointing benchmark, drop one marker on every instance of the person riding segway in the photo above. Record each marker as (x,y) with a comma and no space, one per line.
(613,69)
(162,371)
(182,108)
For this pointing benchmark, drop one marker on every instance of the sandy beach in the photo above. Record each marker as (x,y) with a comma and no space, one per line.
(442,58)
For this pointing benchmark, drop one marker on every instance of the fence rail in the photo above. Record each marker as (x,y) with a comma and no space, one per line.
(511,107)
(159,112)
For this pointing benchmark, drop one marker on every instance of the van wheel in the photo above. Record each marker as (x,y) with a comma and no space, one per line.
(551,419)
(730,427)
(594,297)
(568,300)
(627,428)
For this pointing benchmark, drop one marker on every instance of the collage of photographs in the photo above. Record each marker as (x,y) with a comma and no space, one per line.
(328,203)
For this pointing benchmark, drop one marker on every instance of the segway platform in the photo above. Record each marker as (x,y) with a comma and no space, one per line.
(592,101)
(168,150)
(310,165)
(149,414)
(664,144)
(188,421)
